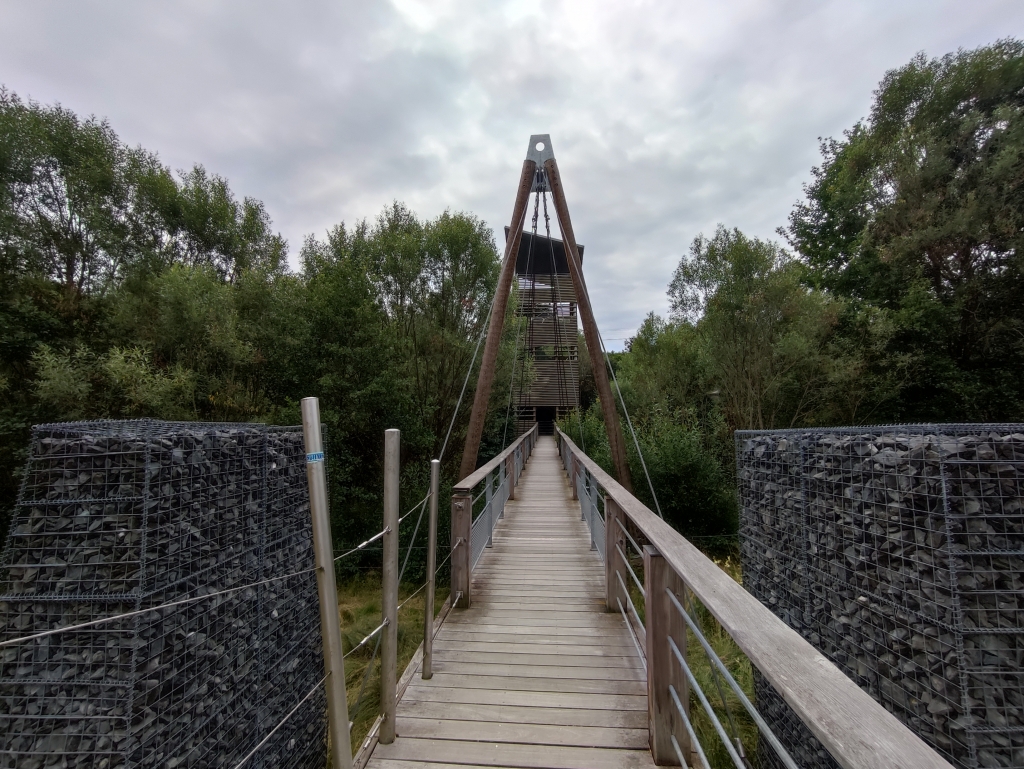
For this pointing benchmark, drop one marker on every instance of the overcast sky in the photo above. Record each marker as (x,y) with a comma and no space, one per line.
(667,117)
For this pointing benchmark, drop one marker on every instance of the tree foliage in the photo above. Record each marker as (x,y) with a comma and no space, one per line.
(131,291)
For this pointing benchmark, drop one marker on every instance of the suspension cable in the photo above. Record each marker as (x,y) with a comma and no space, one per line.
(629,422)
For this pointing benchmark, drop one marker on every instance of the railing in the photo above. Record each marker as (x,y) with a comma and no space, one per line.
(857,731)
(474,517)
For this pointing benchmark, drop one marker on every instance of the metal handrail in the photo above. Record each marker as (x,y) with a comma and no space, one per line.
(855,729)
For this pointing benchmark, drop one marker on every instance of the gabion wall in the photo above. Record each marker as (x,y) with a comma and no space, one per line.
(899,553)
(119,516)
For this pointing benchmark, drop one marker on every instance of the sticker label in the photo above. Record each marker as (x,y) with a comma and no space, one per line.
(317,456)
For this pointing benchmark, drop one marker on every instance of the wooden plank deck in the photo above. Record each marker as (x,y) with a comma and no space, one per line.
(536,674)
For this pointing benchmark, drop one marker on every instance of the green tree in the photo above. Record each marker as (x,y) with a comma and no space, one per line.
(917,217)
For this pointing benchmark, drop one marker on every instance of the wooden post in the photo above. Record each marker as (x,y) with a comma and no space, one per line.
(428,609)
(484,381)
(462,530)
(616,443)
(572,476)
(510,473)
(389,639)
(327,587)
(663,620)
(612,535)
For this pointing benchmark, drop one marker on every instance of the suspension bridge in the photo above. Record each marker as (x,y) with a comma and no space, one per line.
(569,636)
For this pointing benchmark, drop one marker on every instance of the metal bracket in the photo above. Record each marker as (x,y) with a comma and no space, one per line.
(540,150)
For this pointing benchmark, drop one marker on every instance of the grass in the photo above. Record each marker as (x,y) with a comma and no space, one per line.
(730,712)
(714,685)
(359,606)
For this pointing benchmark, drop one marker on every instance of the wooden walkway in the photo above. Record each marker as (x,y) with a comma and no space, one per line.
(536,674)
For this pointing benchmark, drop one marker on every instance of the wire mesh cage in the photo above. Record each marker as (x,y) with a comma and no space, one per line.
(116,517)
(898,551)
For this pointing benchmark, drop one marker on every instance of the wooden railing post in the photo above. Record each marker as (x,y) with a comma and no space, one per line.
(664,621)
(510,473)
(572,476)
(462,530)
(327,587)
(612,536)
(489,507)
(389,635)
(428,609)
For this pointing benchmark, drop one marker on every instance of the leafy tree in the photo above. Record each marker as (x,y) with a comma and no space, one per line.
(918,213)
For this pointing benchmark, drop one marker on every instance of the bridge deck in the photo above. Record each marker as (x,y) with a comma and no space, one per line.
(536,674)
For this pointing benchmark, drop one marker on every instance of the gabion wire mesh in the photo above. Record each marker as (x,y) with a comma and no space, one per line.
(115,517)
(899,553)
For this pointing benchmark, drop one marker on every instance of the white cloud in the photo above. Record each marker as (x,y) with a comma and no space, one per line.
(667,117)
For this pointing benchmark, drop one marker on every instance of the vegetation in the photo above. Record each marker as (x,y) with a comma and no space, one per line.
(129,290)
(900,297)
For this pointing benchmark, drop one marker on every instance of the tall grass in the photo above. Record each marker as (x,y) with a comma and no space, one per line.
(359,608)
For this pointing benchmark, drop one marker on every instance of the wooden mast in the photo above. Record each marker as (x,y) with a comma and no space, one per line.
(497,323)
(616,443)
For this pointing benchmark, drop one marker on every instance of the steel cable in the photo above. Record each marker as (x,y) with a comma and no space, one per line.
(280,723)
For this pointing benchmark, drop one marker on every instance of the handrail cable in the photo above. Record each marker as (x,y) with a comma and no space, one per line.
(280,723)
(629,422)
(707,705)
(137,612)
(366,640)
(689,730)
(717,662)
(725,703)
(361,545)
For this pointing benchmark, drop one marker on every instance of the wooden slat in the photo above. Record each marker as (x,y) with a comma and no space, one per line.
(624,719)
(533,734)
(525,755)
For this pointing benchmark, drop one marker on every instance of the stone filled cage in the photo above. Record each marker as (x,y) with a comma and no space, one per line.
(898,551)
(117,516)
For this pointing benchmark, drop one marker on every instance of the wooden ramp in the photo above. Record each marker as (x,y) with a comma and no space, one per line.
(536,674)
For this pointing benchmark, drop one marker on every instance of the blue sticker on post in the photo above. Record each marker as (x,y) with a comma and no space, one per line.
(317,456)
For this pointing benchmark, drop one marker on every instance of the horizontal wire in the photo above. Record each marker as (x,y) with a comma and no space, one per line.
(360,546)
(716,660)
(639,550)
(695,687)
(412,595)
(181,602)
(636,579)
(366,640)
(632,633)
(694,742)
(291,713)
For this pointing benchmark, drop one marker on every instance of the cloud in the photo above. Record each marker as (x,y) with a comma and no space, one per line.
(667,117)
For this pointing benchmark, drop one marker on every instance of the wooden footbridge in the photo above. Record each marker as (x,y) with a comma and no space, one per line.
(568,634)
(535,673)
(568,639)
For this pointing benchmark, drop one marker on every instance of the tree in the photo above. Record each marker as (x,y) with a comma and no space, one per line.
(918,214)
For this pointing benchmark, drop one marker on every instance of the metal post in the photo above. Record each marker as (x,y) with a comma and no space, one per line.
(327,587)
(389,640)
(428,609)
